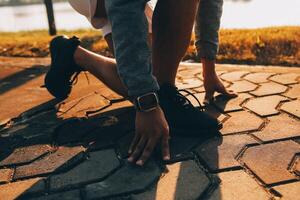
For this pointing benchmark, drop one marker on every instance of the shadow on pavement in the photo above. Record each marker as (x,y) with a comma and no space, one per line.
(105,129)
(17,79)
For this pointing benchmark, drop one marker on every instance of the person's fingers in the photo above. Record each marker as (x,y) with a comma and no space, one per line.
(147,152)
(134,143)
(209,96)
(221,89)
(229,93)
(138,150)
(165,148)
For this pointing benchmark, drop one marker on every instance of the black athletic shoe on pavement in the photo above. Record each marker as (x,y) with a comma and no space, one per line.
(63,70)
(183,118)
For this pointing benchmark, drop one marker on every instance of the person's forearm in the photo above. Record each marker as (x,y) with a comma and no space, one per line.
(207,28)
(130,32)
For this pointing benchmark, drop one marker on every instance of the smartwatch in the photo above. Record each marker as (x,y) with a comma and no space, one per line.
(146,102)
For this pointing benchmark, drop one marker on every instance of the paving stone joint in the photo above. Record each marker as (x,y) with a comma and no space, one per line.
(77,149)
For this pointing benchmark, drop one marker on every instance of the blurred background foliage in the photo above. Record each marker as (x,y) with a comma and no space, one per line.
(265,46)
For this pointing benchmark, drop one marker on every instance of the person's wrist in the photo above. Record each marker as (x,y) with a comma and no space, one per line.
(209,75)
(153,111)
(146,102)
(208,68)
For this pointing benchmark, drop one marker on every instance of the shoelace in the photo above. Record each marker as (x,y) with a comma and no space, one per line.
(185,102)
(75,78)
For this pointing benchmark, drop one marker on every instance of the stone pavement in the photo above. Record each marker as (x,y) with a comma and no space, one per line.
(76,149)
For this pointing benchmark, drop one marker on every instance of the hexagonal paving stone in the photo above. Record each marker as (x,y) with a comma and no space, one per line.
(23,62)
(18,189)
(4,121)
(26,96)
(189,83)
(128,179)
(202,89)
(124,143)
(69,195)
(242,86)
(99,165)
(39,109)
(293,92)
(111,95)
(265,106)
(188,72)
(220,153)
(259,77)
(114,109)
(6,175)
(72,131)
(60,160)
(226,104)
(83,106)
(105,128)
(233,76)
(27,154)
(285,78)
(270,162)
(238,185)
(8,144)
(220,72)
(269,89)
(296,166)
(108,135)
(241,122)
(279,127)
(289,191)
(199,89)
(37,127)
(7,71)
(184,181)
(180,146)
(85,87)
(212,111)
(292,108)
(100,131)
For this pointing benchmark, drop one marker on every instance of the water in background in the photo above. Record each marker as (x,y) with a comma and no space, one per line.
(236,14)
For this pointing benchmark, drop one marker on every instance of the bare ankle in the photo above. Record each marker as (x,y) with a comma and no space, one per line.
(78,56)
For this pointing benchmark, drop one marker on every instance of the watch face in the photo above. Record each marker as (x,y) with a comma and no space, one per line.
(147,101)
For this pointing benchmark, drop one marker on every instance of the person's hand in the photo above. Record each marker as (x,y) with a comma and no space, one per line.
(151,128)
(212,83)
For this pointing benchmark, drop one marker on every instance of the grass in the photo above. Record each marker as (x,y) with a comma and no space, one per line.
(267,46)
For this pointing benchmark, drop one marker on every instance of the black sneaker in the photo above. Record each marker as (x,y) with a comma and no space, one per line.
(63,70)
(183,118)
